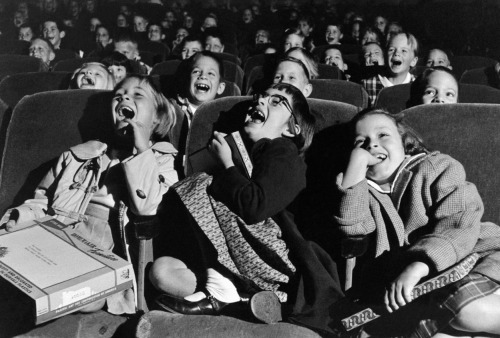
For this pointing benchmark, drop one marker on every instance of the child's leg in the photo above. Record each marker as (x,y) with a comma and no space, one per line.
(172,276)
(487,309)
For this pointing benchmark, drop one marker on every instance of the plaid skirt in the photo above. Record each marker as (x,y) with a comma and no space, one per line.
(453,298)
(432,313)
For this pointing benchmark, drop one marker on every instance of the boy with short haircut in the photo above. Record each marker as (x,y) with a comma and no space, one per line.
(155,32)
(201,80)
(42,49)
(128,46)
(26,32)
(333,33)
(402,56)
(438,57)
(53,30)
(214,41)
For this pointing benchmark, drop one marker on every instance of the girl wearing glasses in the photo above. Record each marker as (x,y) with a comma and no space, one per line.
(243,231)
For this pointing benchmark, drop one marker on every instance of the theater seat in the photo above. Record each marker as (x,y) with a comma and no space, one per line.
(14,87)
(397,98)
(469,133)
(42,126)
(155,47)
(233,73)
(483,76)
(461,63)
(14,64)
(340,90)
(11,46)
(329,72)
(228,114)
(70,65)
(165,67)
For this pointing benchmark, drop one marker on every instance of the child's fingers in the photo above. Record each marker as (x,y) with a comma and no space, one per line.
(407,294)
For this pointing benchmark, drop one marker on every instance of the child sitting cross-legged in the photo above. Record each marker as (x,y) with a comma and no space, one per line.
(103,188)
(421,217)
(243,240)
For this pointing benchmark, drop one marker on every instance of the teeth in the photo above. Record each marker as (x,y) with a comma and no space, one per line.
(202,86)
(381,157)
(257,116)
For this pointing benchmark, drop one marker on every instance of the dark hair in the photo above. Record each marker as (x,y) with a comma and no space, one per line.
(307,18)
(214,32)
(125,37)
(164,109)
(412,142)
(302,114)
(118,59)
(418,86)
(335,23)
(60,25)
(192,38)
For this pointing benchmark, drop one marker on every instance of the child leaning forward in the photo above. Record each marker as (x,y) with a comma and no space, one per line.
(422,217)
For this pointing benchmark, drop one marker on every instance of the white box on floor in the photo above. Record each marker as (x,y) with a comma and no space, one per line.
(59,269)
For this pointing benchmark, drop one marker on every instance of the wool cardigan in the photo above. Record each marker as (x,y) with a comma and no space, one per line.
(431,192)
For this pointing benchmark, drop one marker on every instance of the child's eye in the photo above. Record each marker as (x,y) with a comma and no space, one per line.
(450,94)
(358,142)
(429,92)
(381,135)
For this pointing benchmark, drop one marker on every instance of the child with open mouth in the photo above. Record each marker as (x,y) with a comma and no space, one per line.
(401,57)
(92,75)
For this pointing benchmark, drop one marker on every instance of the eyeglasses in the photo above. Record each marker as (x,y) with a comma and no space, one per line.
(274,100)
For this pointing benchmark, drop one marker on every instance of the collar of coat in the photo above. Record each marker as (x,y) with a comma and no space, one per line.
(392,202)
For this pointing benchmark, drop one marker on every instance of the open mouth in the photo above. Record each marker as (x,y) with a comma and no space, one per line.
(126,112)
(397,62)
(381,157)
(87,81)
(256,116)
(202,87)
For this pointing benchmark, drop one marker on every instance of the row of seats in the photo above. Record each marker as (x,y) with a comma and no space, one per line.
(45,124)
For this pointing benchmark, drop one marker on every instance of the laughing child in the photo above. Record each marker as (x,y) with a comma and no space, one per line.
(401,57)
(101,189)
(422,217)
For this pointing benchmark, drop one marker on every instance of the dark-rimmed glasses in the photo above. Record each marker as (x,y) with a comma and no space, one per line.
(275,100)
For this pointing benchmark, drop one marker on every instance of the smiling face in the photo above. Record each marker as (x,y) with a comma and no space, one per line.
(262,36)
(247,16)
(52,33)
(214,44)
(205,81)
(191,48)
(41,50)
(373,55)
(140,24)
(400,55)
(102,36)
(441,88)
(93,76)
(292,73)
(334,57)
(381,23)
(305,28)
(333,35)
(269,116)
(293,40)
(121,21)
(209,22)
(379,135)
(118,72)
(438,58)
(134,101)
(154,33)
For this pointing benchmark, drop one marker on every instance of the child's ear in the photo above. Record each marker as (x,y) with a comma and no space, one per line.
(163,36)
(414,61)
(288,133)
(221,87)
(345,67)
(307,90)
(62,34)
(52,56)
(222,49)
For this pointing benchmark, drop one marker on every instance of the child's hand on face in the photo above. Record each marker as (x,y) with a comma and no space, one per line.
(357,167)
(142,135)
(219,147)
(399,292)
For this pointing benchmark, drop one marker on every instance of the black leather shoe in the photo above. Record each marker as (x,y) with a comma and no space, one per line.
(207,306)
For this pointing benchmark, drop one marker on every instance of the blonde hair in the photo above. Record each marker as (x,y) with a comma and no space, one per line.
(164,109)
(110,78)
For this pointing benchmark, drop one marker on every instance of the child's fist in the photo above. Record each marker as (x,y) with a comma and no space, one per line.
(221,150)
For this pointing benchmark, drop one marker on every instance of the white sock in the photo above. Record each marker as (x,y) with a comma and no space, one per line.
(218,286)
